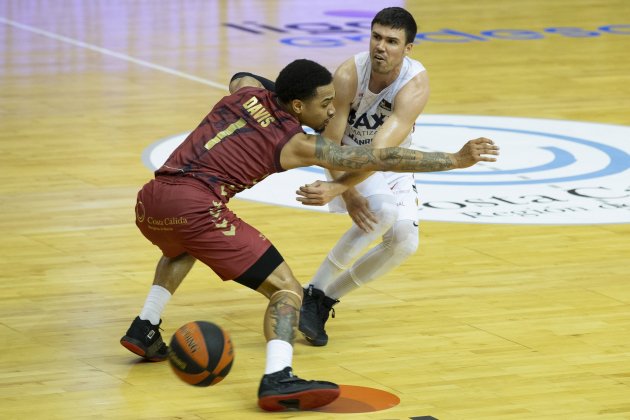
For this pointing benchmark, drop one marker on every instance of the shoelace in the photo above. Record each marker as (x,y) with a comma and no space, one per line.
(292,379)
(332,309)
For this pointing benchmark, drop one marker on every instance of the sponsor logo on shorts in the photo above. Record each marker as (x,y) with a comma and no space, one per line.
(165,223)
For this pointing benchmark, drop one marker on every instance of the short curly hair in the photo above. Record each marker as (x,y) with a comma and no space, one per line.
(397,18)
(300,80)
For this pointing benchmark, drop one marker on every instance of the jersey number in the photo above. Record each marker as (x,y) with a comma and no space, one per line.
(223,134)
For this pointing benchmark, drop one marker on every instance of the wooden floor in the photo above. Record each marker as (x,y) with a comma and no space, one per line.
(485,322)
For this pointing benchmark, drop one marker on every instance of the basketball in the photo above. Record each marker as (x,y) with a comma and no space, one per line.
(201,353)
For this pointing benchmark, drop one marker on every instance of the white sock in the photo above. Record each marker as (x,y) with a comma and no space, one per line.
(328,270)
(342,285)
(279,355)
(154,305)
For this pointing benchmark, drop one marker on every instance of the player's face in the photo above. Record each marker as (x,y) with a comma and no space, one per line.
(387,48)
(318,111)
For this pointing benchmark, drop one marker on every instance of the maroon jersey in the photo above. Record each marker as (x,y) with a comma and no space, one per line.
(237,144)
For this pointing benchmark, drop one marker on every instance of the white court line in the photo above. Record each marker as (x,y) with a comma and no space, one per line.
(111,53)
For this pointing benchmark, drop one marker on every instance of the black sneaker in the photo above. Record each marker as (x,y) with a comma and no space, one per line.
(144,339)
(282,390)
(316,307)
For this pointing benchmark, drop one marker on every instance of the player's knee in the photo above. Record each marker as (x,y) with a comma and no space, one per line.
(387,214)
(286,283)
(406,244)
(281,279)
(384,208)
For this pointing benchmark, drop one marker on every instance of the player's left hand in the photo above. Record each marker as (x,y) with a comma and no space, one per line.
(359,210)
(319,193)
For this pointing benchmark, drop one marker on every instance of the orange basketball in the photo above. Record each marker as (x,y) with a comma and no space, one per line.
(201,353)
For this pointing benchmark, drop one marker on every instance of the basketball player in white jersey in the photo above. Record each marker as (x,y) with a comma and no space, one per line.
(379,96)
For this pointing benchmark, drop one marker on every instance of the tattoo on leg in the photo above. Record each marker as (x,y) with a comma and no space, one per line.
(283,314)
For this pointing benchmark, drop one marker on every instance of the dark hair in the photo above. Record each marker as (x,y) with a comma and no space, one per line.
(300,80)
(397,18)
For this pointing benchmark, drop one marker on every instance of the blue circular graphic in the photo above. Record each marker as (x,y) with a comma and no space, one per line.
(585,168)
(619,160)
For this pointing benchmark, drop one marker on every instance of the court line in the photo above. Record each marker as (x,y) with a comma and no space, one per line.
(111,53)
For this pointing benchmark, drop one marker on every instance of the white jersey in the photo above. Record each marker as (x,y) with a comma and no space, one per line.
(370,110)
(367,113)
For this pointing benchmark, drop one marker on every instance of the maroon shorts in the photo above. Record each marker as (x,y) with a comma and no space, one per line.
(183,215)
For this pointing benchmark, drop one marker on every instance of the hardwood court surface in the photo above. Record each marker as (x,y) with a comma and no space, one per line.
(485,322)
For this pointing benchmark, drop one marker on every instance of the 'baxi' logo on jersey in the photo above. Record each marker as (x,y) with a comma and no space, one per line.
(362,129)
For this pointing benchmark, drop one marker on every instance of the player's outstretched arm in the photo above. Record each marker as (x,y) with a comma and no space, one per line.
(307,150)
(396,159)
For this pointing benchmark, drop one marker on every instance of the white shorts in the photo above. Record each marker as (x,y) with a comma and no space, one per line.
(401,185)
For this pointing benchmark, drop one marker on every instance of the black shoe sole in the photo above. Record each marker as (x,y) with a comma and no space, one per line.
(136,347)
(304,400)
(317,342)
(307,331)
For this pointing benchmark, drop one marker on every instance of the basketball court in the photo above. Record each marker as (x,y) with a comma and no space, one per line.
(516,305)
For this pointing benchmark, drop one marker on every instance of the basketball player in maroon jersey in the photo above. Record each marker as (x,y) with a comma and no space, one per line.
(248,135)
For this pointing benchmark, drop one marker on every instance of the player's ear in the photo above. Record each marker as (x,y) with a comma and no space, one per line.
(408,48)
(297,106)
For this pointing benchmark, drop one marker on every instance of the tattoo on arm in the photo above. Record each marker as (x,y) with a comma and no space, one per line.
(340,158)
(363,158)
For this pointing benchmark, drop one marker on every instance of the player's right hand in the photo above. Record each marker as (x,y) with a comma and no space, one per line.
(477,150)
(319,193)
